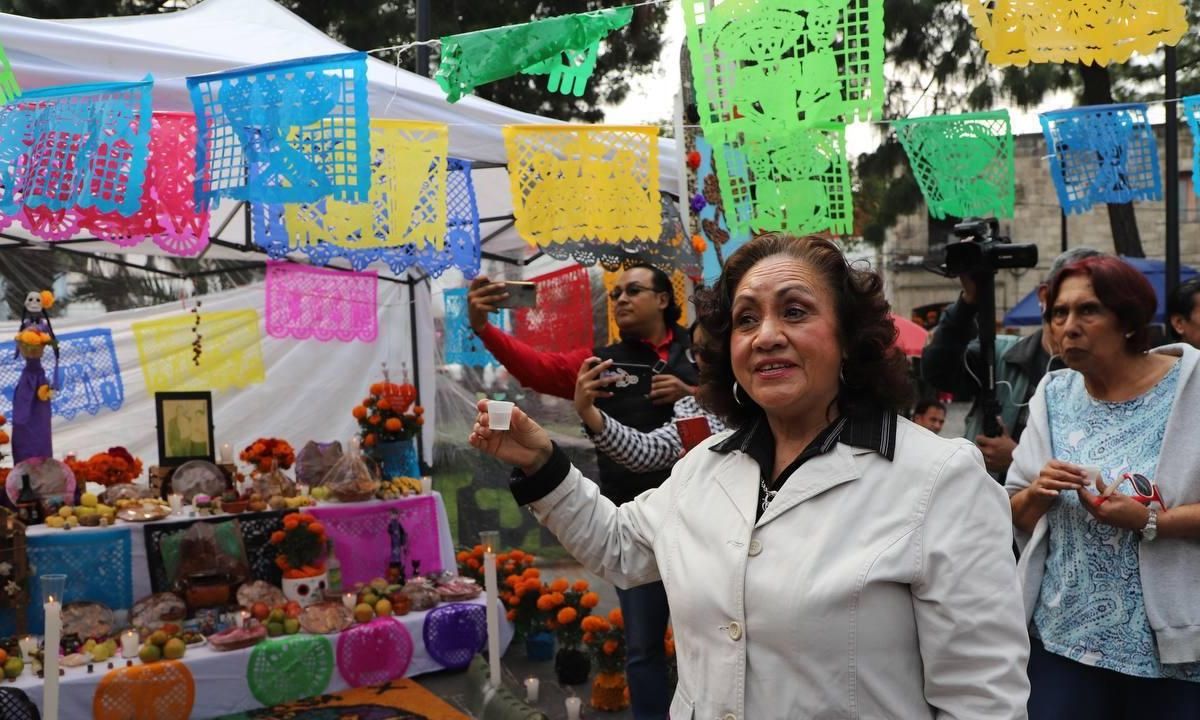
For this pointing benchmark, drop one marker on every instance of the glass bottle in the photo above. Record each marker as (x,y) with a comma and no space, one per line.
(333,569)
(29,507)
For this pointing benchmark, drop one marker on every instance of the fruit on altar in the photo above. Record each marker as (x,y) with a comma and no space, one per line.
(368,598)
(171,629)
(320,492)
(274,629)
(72,521)
(378,585)
(13,667)
(56,521)
(174,649)
(291,626)
(3,656)
(292,609)
(256,506)
(277,502)
(363,613)
(260,611)
(150,653)
(383,608)
(401,605)
(159,638)
(277,615)
(65,512)
(89,500)
(300,501)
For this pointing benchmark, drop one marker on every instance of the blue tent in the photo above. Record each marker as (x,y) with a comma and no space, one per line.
(1026,311)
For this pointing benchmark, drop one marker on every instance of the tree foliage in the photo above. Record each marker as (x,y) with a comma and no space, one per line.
(934,56)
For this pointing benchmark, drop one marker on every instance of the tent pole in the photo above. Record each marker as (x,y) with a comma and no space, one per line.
(1171,196)
(423,24)
(416,358)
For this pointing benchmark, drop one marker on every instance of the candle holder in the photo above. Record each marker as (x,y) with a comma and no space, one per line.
(490,539)
(53,587)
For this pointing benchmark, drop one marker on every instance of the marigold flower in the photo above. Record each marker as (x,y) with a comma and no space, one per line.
(531,573)
(567,615)
(277,537)
(580,586)
(512,615)
(359,412)
(473,563)
(393,425)
(545,603)
(560,585)
(4,437)
(44,393)
(369,440)
(512,581)
(610,647)
(558,598)
(290,522)
(588,638)
(374,419)
(589,600)
(616,618)
(532,584)
(383,404)
(517,555)
(462,556)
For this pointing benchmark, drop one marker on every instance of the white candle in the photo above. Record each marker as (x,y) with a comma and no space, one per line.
(493,615)
(350,600)
(129,644)
(53,610)
(531,690)
(573,706)
(176,501)
(28,645)
(243,619)
(426,485)
(226,454)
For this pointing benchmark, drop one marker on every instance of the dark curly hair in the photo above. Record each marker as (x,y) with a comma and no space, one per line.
(875,372)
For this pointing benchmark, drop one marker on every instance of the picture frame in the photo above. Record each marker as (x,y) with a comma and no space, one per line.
(184,427)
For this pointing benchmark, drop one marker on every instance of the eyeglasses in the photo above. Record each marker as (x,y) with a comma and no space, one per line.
(690,354)
(1145,490)
(632,291)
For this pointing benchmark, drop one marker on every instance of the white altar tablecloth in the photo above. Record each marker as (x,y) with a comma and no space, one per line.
(220,677)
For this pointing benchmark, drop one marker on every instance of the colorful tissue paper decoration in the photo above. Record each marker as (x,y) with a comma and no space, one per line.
(407,200)
(1191,112)
(709,222)
(678,285)
(292,131)
(9,88)
(460,249)
(1102,154)
(1018,32)
(766,66)
(571,182)
(797,181)
(306,302)
(670,249)
(463,346)
(963,163)
(553,46)
(232,354)
(562,320)
(75,146)
(89,372)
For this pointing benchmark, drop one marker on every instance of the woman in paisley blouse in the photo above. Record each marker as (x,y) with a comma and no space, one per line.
(1105,493)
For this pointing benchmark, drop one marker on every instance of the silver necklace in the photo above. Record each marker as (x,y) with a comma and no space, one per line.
(768,493)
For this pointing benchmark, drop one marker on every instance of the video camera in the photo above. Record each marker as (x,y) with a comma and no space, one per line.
(983,249)
(980,252)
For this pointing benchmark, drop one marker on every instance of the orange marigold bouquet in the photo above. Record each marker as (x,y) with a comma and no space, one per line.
(301,546)
(267,453)
(606,639)
(115,466)
(388,414)
(568,604)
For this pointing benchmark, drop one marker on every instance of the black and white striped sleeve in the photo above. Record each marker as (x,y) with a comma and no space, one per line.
(639,451)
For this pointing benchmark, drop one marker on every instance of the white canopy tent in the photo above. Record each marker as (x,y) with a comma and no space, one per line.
(218,35)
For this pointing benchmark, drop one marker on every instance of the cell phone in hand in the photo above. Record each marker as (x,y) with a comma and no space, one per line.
(631,378)
(521,294)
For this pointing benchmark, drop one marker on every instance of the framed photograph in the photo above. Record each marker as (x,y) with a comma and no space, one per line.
(185,427)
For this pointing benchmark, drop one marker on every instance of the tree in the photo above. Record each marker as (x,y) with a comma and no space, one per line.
(369,24)
(933,49)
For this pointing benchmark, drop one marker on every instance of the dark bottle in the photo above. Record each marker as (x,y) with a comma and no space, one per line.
(29,507)
(399,538)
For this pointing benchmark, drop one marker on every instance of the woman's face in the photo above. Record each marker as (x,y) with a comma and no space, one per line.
(784,345)
(1084,330)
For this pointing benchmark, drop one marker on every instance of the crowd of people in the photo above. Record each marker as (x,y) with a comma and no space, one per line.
(820,555)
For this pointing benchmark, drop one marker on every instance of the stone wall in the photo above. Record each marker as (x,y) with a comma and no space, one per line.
(1037,219)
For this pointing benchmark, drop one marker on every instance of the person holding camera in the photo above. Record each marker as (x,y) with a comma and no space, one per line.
(951,362)
(647,315)
(1105,495)
(1183,312)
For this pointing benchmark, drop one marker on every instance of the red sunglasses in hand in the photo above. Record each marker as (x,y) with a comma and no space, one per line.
(1145,491)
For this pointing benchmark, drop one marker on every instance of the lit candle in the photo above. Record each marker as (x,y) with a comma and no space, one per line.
(28,646)
(426,485)
(243,619)
(226,454)
(531,690)
(303,489)
(52,590)
(492,585)
(176,501)
(573,706)
(129,644)
(349,599)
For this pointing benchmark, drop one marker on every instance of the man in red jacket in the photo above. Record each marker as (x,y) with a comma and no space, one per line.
(647,316)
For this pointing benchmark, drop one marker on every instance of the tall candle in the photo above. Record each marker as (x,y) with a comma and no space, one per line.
(532,685)
(226,454)
(129,644)
(53,610)
(493,614)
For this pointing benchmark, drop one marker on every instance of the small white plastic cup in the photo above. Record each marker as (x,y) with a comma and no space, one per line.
(1093,474)
(499,414)
(426,485)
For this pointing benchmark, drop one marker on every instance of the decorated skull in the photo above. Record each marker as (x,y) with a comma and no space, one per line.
(306,591)
(33,301)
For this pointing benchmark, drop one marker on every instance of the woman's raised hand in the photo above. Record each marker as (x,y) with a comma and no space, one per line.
(525,444)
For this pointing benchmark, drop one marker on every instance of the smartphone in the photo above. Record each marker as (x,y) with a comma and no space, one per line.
(632,378)
(521,294)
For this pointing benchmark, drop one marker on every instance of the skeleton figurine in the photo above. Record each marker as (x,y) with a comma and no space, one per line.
(31,397)
(399,539)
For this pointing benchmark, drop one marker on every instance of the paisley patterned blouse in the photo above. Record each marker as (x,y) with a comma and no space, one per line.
(1091,607)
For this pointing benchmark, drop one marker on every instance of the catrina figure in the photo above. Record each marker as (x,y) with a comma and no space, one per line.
(31,398)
